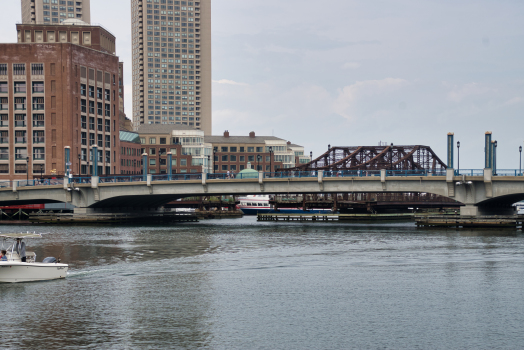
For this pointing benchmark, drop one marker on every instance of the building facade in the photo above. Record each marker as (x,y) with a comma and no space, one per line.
(130,153)
(55,11)
(190,153)
(56,94)
(264,153)
(172,63)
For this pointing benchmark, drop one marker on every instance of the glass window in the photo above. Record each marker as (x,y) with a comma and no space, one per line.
(223,149)
(38,87)
(232,149)
(152,140)
(233,158)
(251,149)
(224,158)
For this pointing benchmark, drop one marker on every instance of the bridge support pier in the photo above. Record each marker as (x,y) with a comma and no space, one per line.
(469,210)
(473,210)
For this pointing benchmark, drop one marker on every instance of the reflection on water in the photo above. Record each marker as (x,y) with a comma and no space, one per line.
(239,284)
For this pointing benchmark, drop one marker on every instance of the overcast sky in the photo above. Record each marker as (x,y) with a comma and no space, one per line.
(350,73)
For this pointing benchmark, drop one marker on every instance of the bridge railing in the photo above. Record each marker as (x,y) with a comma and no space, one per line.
(33,182)
(480,172)
(469,172)
(251,175)
(508,172)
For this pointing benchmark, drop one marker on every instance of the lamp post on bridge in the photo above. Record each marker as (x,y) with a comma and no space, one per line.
(458,157)
(79,161)
(270,160)
(495,157)
(27,171)
(214,158)
(520,160)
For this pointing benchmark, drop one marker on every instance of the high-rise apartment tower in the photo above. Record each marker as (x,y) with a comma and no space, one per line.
(172,63)
(54,11)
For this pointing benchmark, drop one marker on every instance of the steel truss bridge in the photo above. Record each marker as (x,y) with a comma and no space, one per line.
(376,158)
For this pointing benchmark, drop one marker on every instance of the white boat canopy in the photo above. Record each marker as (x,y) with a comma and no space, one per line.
(20,235)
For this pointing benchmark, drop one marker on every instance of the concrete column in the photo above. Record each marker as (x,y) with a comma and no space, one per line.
(144,166)
(469,210)
(94,181)
(451,149)
(169,165)
(95,160)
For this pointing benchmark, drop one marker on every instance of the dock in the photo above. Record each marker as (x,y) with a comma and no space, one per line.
(492,221)
(109,218)
(334,217)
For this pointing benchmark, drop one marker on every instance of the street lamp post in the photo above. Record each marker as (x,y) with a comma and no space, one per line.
(209,164)
(27,171)
(270,160)
(79,158)
(458,157)
(258,160)
(495,158)
(520,160)
(41,172)
(214,158)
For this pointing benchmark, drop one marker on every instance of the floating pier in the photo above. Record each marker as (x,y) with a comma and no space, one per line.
(492,221)
(109,218)
(334,217)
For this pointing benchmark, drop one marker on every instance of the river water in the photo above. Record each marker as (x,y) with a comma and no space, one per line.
(239,284)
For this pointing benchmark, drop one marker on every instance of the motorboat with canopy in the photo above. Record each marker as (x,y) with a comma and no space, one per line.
(13,269)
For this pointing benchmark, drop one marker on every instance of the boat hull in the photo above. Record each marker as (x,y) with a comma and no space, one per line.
(255,211)
(13,272)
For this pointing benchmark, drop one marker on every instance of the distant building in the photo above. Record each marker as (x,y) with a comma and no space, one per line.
(130,153)
(190,153)
(233,153)
(55,11)
(172,63)
(58,88)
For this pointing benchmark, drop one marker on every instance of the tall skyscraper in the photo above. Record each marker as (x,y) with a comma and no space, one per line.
(172,63)
(54,11)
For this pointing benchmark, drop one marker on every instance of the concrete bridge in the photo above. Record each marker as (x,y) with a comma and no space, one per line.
(481,192)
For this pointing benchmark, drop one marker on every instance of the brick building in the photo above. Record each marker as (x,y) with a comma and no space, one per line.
(58,88)
(233,153)
(130,153)
(190,154)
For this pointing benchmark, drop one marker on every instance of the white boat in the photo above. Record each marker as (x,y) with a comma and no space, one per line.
(259,204)
(14,270)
